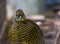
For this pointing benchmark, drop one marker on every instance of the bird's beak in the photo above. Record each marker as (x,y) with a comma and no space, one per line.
(20,17)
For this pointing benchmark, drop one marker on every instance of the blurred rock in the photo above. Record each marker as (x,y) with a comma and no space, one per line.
(50,35)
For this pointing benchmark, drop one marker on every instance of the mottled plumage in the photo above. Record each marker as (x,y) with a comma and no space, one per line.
(24,31)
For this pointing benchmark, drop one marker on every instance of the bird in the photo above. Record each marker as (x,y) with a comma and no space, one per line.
(24,31)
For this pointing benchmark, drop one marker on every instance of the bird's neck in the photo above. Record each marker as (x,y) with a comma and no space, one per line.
(19,22)
(24,22)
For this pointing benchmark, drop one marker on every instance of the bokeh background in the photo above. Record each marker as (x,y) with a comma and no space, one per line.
(45,13)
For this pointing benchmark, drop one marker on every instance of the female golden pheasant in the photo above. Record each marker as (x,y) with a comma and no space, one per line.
(24,31)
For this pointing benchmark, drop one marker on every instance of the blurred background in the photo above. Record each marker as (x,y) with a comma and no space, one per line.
(45,13)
